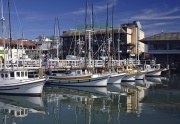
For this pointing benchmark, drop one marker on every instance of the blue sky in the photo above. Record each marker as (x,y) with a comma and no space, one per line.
(37,17)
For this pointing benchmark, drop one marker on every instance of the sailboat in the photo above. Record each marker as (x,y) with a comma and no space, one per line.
(16,81)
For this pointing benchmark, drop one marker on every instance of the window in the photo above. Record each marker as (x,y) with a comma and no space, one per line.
(22,74)
(2,75)
(6,75)
(12,74)
(18,74)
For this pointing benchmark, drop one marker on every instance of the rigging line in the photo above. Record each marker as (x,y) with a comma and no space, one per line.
(98,23)
(18,16)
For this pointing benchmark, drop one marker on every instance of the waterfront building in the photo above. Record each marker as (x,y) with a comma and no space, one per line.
(124,40)
(50,46)
(18,48)
(164,47)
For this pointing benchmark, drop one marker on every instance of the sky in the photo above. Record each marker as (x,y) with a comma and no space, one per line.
(31,18)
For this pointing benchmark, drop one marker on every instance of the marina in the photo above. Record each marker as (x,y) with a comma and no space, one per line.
(153,100)
(93,73)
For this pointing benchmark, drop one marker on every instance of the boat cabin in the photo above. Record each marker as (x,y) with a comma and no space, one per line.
(13,75)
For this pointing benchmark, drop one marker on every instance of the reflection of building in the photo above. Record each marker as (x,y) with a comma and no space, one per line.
(164,47)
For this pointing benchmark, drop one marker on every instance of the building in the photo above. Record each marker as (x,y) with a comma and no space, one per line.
(16,49)
(124,42)
(130,41)
(164,48)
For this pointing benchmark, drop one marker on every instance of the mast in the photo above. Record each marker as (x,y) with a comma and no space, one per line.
(59,36)
(85,36)
(10,36)
(107,37)
(3,28)
(113,52)
(92,28)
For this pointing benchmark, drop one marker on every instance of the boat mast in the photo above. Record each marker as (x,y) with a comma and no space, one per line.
(92,28)
(3,28)
(10,36)
(85,57)
(107,37)
(113,52)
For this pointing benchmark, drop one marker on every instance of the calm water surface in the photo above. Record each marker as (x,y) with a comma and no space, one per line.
(155,100)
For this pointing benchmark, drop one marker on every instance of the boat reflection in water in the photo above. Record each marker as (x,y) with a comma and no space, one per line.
(15,108)
(92,105)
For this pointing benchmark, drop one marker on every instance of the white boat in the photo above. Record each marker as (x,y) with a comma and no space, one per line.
(115,78)
(13,81)
(129,77)
(17,82)
(76,78)
(153,70)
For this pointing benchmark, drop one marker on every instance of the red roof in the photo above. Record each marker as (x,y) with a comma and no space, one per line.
(15,42)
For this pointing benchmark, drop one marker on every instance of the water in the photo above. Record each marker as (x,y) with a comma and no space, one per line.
(155,100)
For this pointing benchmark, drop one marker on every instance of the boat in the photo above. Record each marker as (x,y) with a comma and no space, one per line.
(77,78)
(153,70)
(115,78)
(17,82)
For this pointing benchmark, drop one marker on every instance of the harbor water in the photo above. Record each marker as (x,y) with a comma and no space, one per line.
(153,100)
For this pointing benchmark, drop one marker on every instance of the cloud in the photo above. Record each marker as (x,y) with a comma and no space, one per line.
(156,14)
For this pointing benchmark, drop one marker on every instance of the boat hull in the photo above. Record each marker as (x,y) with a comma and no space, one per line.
(27,87)
(129,77)
(154,73)
(140,76)
(94,81)
(116,78)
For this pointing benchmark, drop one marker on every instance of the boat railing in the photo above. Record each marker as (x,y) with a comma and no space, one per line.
(20,64)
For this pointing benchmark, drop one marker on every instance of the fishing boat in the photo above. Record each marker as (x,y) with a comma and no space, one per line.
(17,82)
(153,70)
(77,78)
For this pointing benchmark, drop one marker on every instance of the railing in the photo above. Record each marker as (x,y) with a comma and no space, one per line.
(20,64)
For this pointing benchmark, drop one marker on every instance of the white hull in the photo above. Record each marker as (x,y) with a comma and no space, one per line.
(140,76)
(129,77)
(25,87)
(116,78)
(154,73)
(94,81)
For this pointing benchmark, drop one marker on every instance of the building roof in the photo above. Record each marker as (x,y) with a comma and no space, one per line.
(96,32)
(14,42)
(163,36)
